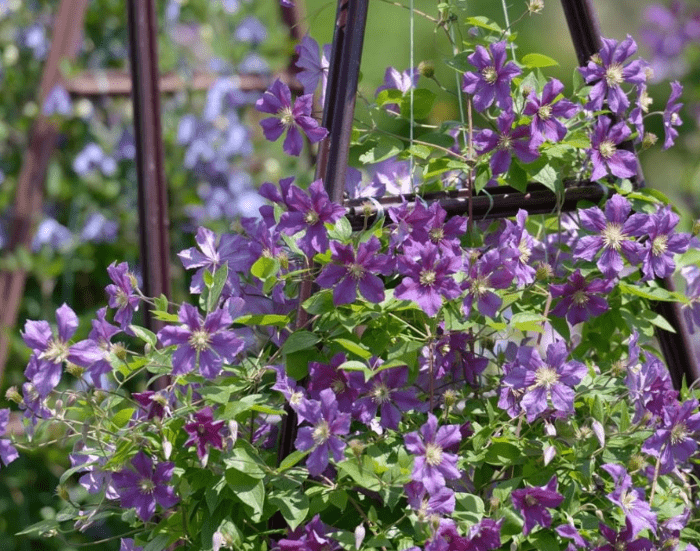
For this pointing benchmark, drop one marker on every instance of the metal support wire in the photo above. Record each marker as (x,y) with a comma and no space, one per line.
(152,189)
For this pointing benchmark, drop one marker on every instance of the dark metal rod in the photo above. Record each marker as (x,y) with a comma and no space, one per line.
(152,189)
(583,27)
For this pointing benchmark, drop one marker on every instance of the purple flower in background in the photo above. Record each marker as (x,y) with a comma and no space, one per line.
(631,500)
(384,393)
(313,65)
(516,246)
(492,81)
(353,271)
(310,212)
(58,101)
(122,295)
(614,230)
(98,229)
(506,141)
(203,430)
(433,464)
(251,30)
(145,486)
(662,243)
(605,155)
(671,116)
(277,100)
(607,70)
(95,479)
(53,234)
(49,351)
(427,277)
(546,112)
(396,80)
(485,274)
(674,441)
(624,539)
(569,531)
(93,157)
(153,404)
(445,234)
(323,438)
(533,503)
(546,382)
(8,453)
(580,299)
(203,342)
(127,544)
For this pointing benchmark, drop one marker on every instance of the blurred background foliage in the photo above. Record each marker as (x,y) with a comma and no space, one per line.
(215,157)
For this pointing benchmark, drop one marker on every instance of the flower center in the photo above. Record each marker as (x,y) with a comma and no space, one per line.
(531,500)
(525,251)
(613,75)
(381,393)
(546,377)
(199,340)
(311,218)
(645,101)
(146,486)
(321,433)
(658,245)
(628,499)
(295,398)
(286,116)
(436,235)
(56,351)
(607,149)
(357,271)
(338,386)
(544,112)
(427,277)
(433,454)
(490,74)
(675,119)
(620,546)
(679,433)
(580,298)
(505,142)
(613,236)
(479,286)
(122,299)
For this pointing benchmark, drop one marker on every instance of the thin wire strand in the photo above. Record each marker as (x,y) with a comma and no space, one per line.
(411,64)
(505,13)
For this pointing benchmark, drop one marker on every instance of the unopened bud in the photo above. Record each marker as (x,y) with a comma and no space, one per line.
(450,398)
(426,69)
(167,448)
(132,279)
(494,503)
(696,228)
(543,271)
(595,58)
(357,447)
(649,139)
(535,6)
(62,492)
(13,395)
(147,348)
(649,72)
(119,350)
(635,463)
(75,370)
(527,90)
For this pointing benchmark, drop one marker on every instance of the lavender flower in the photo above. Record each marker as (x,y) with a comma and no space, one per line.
(203,430)
(277,100)
(671,116)
(323,438)
(608,71)
(662,243)
(492,82)
(121,293)
(484,274)
(532,503)
(384,393)
(605,155)
(447,538)
(314,66)
(251,30)
(545,113)
(101,334)
(580,299)
(127,544)
(311,537)
(8,453)
(396,80)
(441,503)
(145,486)
(485,535)
(345,385)
(433,464)
(631,500)
(57,101)
(674,441)
(506,141)
(624,539)
(201,342)
(53,234)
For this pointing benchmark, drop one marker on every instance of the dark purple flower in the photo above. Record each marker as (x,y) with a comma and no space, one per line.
(492,82)
(145,486)
(428,277)
(624,539)
(605,155)
(311,537)
(310,213)
(277,100)
(407,220)
(671,116)
(516,246)
(353,271)
(581,300)
(444,234)
(152,404)
(675,439)
(533,503)
(608,71)
(433,464)
(441,503)
(201,342)
(49,351)
(615,229)
(8,453)
(101,334)
(323,438)
(546,112)
(453,357)
(127,544)
(396,80)
(569,531)
(384,393)
(484,274)
(662,243)
(96,479)
(346,385)
(506,141)
(631,500)
(122,295)
(447,538)
(313,65)
(203,430)
(485,535)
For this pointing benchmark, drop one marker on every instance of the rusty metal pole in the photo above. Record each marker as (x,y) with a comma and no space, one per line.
(152,188)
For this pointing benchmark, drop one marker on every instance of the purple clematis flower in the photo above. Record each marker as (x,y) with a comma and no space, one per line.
(492,82)
(506,141)
(631,500)
(545,382)
(485,274)
(346,385)
(49,351)
(608,71)
(145,486)
(323,438)
(533,503)
(447,538)
(203,430)
(122,295)
(203,342)
(311,537)
(433,464)
(96,479)
(441,503)
(127,544)
(101,333)
(581,300)
(485,535)
(57,101)
(624,539)
(355,270)
(277,100)
(397,80)
(516,246)
(428,277)
(313,65)
(8,453)
(605,155)
(662,244)
(671,116)
(546,112)
(384,393)
(674,441)
(310,212)
(615,230)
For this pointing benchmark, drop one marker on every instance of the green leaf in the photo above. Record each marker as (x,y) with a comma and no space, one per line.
(354,348)
(276,320)
(650,293)
(291,460)
(264,267)
(423,101)
(245,460)
(40,528)
(164,316)
(144,334)
(300,340)
(504,453)
(363,475)
(388,96)
(658,320)
(293,505)
(342,230)
(249,490)
(122,417)
(320,303)
(548,177)
(160,542)
(161,303)
(387,146)
(517,178)
(528,321)
(420,151)
(357,366)
(535,61)
(484,23)
(220,277)
(460,62)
